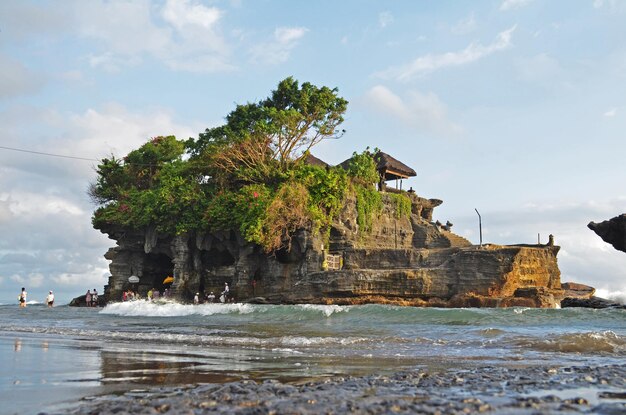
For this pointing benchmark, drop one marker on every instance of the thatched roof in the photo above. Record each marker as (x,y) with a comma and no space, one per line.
(388,167)
(392,168)
(314,161)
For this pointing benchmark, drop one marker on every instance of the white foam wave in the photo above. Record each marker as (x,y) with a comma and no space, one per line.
(33,302)
(520,310)
(617,296)
(327,310)
(212,338)
(319,341)
(143,308)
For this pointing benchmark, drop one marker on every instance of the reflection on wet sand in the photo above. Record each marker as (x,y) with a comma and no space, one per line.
(157,369)
(176,367)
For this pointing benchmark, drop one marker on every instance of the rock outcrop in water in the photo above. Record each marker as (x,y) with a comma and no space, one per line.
(612,231)
(402,260)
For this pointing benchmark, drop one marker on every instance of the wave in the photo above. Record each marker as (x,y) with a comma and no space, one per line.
(327,310)
(143,308)
(491,332)
(590,342)
(208,337)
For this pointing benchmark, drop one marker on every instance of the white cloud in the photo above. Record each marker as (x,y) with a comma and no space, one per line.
(16,79)
(610,113)
(430,63)
(385,19)
(465,25)
(32,205)
(614,6)
(183,15)
(584,256)
(23,20)
(6,213)
(416,110)
(514,4)
(277,50)
(30,280)
(45,214)
(186,37)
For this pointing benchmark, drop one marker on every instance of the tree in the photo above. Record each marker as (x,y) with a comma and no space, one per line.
(138,170)
(265,139)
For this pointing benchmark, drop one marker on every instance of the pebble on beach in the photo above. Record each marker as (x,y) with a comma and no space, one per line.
(500,390)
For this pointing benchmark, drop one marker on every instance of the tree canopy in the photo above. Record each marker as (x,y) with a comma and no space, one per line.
(247,175)
(262,141)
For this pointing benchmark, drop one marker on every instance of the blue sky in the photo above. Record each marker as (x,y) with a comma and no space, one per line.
(514,107)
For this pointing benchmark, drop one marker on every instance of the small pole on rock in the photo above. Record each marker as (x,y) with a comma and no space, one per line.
(480,227)
(538,239)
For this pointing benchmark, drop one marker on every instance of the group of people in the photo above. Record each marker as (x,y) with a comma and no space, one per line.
(151,295)
(154,294)
(130,295)
(225,296)
(23,295)
(91,299)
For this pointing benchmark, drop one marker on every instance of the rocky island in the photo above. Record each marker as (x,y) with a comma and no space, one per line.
(248,205)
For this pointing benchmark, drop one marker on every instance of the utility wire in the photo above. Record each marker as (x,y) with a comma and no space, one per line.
(41,153)
(46,154)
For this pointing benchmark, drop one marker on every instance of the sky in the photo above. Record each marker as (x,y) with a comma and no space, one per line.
(516,108)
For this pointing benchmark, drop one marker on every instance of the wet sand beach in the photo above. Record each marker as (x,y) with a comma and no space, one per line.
(240,358)
(500,390)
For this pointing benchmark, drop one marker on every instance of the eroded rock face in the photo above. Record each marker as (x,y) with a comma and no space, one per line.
(402,260)
(612,231)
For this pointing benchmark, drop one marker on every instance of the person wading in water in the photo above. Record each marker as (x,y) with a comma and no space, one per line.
(22,297)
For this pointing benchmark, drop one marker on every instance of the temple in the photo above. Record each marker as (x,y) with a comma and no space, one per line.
(403,258)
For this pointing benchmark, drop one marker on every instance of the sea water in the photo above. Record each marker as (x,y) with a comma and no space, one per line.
(53,356)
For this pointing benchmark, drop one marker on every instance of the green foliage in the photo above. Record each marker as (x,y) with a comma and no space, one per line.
(362,168)
(369,204)
(287,213)
(174,204)
(402,204)
(246,175)
(261,142)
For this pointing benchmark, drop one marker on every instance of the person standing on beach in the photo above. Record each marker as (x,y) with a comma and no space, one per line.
(50,299)
(88,299)
(22,298)
(94,298)
(225,293)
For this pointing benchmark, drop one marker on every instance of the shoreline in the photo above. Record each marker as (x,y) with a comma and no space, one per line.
(488,389)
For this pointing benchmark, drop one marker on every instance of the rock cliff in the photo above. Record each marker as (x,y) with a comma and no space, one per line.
(403,259)
(612,231)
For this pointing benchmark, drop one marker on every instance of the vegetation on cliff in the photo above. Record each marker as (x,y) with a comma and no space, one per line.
(247,175)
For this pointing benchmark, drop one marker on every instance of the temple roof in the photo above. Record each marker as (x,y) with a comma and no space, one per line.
(392,168)
(314,161)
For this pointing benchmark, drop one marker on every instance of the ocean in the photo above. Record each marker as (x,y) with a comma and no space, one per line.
(52,358)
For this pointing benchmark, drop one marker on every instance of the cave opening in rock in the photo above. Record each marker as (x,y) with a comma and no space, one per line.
(157,267)
(289,256)
(217,258)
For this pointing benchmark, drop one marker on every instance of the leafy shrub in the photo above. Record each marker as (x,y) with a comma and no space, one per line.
(402,204)
(369,204)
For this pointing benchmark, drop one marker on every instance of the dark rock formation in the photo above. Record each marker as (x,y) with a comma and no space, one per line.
(592,302)
(612,231)
(402,260)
